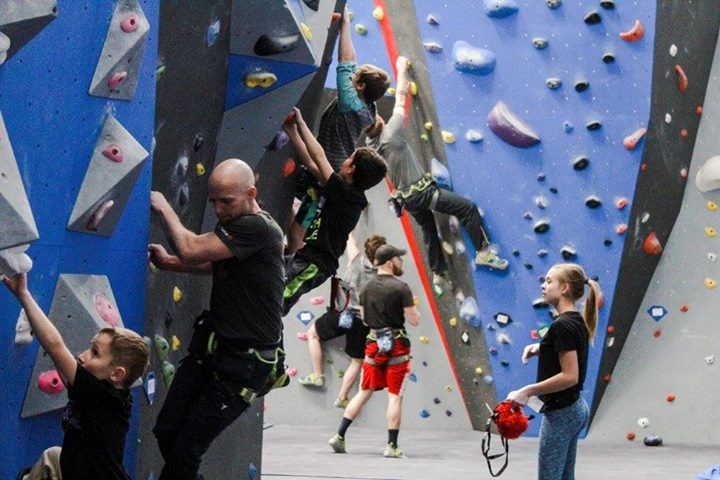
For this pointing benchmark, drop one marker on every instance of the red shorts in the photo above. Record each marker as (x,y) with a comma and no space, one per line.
(391,377)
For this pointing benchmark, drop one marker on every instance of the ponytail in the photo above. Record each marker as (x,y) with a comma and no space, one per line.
(590,311)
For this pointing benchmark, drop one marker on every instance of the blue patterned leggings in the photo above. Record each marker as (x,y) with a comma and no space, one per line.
(559,434)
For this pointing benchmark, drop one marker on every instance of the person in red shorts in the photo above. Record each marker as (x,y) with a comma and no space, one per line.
(387,302)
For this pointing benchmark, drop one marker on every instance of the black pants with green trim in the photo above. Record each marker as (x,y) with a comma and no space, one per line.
(301,276)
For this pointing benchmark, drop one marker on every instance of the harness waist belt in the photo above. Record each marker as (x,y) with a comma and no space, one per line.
(417,187)
(391,361)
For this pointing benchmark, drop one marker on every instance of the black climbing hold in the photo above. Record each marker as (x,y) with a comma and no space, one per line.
(595,277)
(424,363)
(608,58)
(267,45)
(541,227)
(493,351)
(581,163)
(448,413)
(528,265)
(553,3)
(607,242)
(539,303)
(568,252)
(198,142)
(312,4)
(516,253)
(504,363)
(436,401)
(530,417)
(540,177)
(593,125)
(581,85)
(593,201)
(527,216)
(476,381)
(542,253)
(608,4)
(653,441)
(593,17)
(553,190)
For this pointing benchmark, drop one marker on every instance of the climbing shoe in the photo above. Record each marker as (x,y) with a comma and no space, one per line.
(490,259)
(342,403)
(392,451)
(312,380)
(337,443)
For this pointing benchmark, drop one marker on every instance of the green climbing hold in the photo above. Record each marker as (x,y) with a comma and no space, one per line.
(168,373)
(161,347)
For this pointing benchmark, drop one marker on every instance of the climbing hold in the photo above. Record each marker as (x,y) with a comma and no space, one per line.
(581,85)
(527,216)
(116,79)
(260,79)
(607,4)
(428,126)
(319,300)
(652,441)
(493,351)
(553,190)
(503,338)
(130,23)
(621,228)
(453,321)
(114,153)
(541,226)
(540,43)
(424,413)
(635,33)
(681,78)
(553,3)
(488,379)
(710,359)
(502,318)
(448,137)
(177,294)
(630,436)
(305,316)
(568,252)
(568,127)
(478,370)
(292,371)
(175,343)
(500,8)
(50,382)
(469,59)
(643,422)
(168,373)
(433,47)
(470,312)
(593,17)
(684,307)
(510,128)
(657,333)
(378,13)
(711,256)
(465,337)
(621,203)
(252,469)
(712,206)
(673,50)
(267,45)
(105,309)
(708,176)
(424,339)
(302,335)
(436,401)
(541,202)
(553,83)
(607,377)
(149,386)
(652,245)
(440,174)
(699,110)
(668,118)
(593,125)
(161,347)
(412,377)
(670,397)
(432,20)
(361,29)
(539,303)
(447,248)
(608,57)
(684,133)
(23,332)
(413,89)
(473,136)
(581,163)
(710,283)
(504,363)
(289,167)
(631,141)
(212,33)
(542,253)
(279,141)
(710,232)
(593,201)
(528,265)
(607,242)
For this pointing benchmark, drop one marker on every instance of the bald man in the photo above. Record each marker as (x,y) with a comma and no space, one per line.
(235,345)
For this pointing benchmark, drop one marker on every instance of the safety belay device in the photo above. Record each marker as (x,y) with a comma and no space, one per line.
(510,422)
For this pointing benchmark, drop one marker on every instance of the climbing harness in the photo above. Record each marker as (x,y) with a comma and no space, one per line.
(510,423)
(385,339)
(340,292)
(419,186)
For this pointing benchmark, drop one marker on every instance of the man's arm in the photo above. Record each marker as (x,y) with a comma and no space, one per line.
(403,85)
(46,333)
(314,150)
(346,49)
(191,248)
(164,261)
(412,315)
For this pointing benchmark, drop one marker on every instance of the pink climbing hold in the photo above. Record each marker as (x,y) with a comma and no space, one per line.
(621,203)
(319,300)
(621,229)
(50,382)
(632,140)
(292,371)
(114,153)
(130,23)
(116,79)
(302,335)
(635,34)
(682,78)
(106,310)
(97,216)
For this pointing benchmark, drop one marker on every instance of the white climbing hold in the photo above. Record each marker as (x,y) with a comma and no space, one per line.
(708,176)
(673,50)
(23,332)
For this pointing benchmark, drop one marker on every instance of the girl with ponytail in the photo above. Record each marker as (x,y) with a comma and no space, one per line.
(562,364)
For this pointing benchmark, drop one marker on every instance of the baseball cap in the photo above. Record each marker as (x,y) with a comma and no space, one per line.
(386,252)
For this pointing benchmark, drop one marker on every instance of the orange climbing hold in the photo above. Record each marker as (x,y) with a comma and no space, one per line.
(681,78)
(289,167)
(635,34)
(651,245)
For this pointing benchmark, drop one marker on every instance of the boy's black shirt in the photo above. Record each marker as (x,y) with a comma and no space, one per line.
(96,421)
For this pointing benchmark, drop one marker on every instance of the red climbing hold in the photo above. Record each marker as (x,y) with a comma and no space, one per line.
(114,153)
(684,307)
(130,23)
(635,33)
(699,110)
(670,397)
(289,167)
(611,329)
(682,78)
(116,79)
(607,378)
(630,436)
(657,333)
(684,133)
(50,382)
(336,16)
(651,245)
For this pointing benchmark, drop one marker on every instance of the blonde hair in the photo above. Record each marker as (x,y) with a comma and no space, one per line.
(128,350)
(574,276)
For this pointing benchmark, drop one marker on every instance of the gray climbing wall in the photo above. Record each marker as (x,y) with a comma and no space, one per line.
(668,369)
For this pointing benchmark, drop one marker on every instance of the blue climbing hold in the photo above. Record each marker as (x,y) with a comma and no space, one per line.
(212,33)
(470,312)
(488,379)
(500,8)
(473,60)
(657,312)
(252,471)
(412,377)
(305,316)
(440,174)
(424,413)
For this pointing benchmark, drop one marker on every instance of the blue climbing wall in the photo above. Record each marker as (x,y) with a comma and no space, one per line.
(53,124)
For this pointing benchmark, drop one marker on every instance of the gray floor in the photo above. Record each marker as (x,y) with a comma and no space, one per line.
(302,453)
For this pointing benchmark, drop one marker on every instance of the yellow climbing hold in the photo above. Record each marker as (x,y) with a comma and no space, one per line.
(361,29)
(710,283)
(175,343)
(424,339)
(307,33)
(199,169)
(153,267)
(260,79)
(391,91)
(413,89)
(378,13)
(712,206)
(448,137)
(177,294)
(478,371)
(448,388)
(710,232)
(447,248)
(428,126)
(453,322)
(416,300)
(425,137)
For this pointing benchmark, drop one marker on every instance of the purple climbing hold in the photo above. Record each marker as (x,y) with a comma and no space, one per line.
(433,47)
(279,141)
(473,60)
(510,128)
(500,8)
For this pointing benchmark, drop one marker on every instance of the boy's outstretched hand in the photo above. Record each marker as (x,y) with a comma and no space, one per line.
(17,284)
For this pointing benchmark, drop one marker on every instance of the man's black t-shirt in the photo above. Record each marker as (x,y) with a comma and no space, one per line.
(566,333)
(247,292)
(384,299)
(96,421)
(327,236)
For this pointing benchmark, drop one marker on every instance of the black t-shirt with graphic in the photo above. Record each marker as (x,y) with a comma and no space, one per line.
(565,334)
(327,236)
(95,421)
(247,292)
(384,299)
